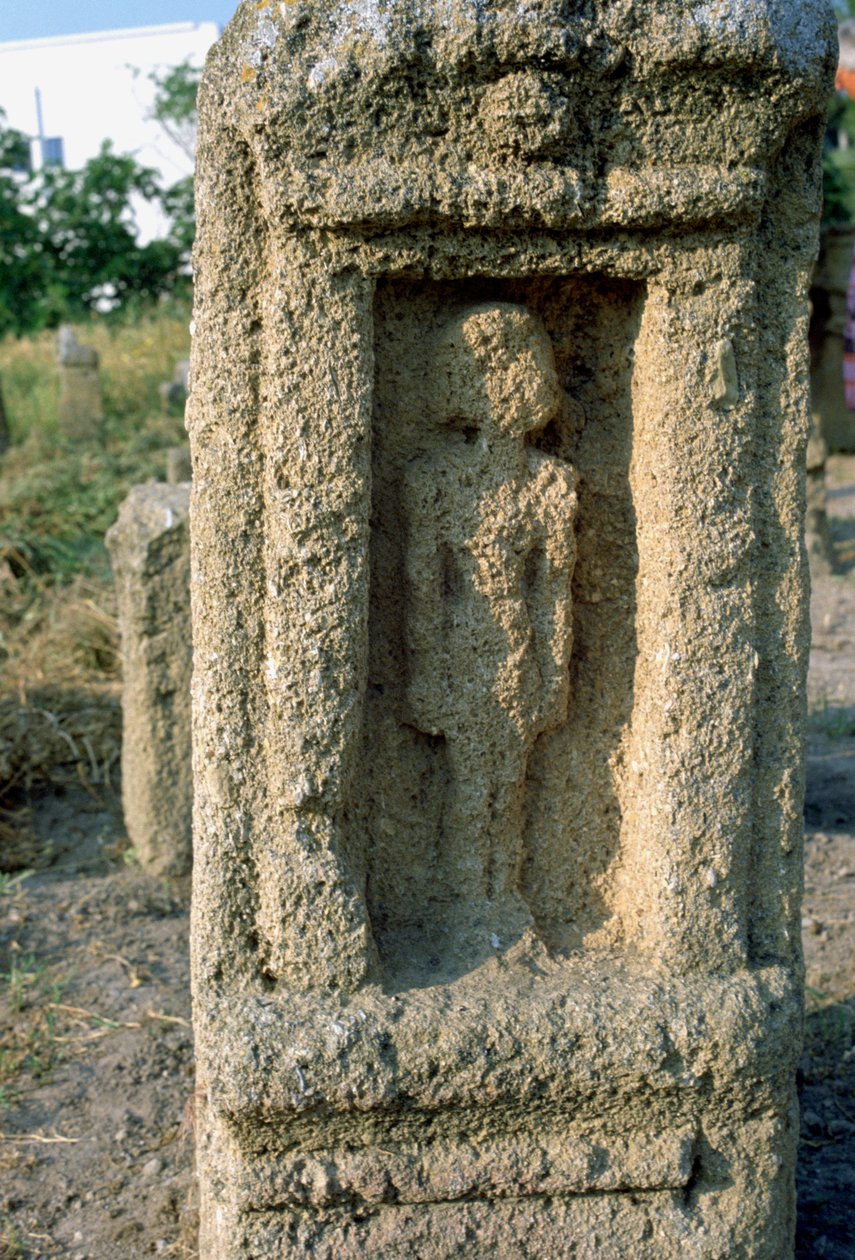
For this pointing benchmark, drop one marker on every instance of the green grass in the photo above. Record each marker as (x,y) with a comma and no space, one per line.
(834,722)
(58,497)
(8,883)
(22,980)
(842,163)
(57,503)
(28,1044)
(135,357)
(11,1242)
(9,1095)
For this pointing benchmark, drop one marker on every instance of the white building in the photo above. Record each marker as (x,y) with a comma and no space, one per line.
(70,93)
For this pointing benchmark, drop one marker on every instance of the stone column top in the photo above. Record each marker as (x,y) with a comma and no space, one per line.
(69,351)
(382,115)
(149,511)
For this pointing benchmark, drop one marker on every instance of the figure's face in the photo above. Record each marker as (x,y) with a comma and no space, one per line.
(494,368)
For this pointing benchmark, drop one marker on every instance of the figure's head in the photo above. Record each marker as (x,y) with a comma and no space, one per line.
(493,367)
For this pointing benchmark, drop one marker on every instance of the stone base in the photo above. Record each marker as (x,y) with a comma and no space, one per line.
(81,409)
(592,1111)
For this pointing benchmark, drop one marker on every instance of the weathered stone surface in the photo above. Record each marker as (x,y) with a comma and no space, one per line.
(498,422)
(81,407)
(150,552)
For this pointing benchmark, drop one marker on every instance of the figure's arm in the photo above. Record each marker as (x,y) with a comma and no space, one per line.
(552,613)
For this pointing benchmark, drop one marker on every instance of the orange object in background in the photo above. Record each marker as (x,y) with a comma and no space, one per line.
(845,81)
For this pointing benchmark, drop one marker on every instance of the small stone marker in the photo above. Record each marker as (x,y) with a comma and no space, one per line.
(81,409)
(5,437)
(178,465)
(820,546)
(500,627)
(827,327)
(173,394)
(150,552)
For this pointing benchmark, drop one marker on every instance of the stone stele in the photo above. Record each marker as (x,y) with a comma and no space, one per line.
(179,469)
(5,433)
(827,328)
(81,408)
(150,552)
(499,411)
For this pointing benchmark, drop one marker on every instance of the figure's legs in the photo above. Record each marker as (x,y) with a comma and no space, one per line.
(482,832)
(505,840)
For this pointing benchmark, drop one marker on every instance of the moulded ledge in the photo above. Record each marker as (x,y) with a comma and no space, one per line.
(587,1039)
(381,194)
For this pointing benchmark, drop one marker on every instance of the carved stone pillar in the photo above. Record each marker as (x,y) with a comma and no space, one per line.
(149,547)
(834,421)
(498,419)
(81,408)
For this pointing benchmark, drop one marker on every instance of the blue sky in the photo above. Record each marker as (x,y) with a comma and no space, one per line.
(34,19)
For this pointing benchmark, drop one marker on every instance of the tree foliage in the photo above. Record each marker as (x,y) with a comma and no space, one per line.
(89,238)
(838,155)
(20,263)
(175,109)
(68,239)
(175,104)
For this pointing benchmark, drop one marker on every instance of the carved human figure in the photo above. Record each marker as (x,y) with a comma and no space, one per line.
(489,560)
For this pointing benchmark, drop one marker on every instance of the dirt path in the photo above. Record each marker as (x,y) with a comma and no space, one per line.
(97,1069)
(96,1064)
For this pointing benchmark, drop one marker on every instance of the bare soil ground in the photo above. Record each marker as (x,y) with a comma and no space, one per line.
(96,1055)
(96,1061)
(826,1172)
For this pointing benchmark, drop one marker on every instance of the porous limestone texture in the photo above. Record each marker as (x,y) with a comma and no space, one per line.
(149,550)
(81,408)
(827,327)
(499,415)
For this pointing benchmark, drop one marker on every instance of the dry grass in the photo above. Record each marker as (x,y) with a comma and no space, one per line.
(51,633)
(60,736)
(52,737)
(60,718)
(60,714)
(60,721)
(135,358)
(58,496)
